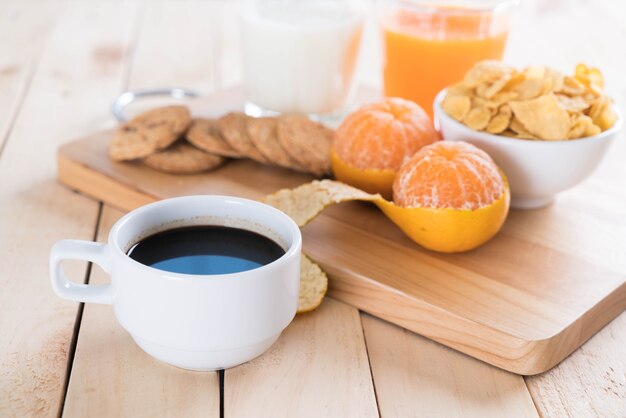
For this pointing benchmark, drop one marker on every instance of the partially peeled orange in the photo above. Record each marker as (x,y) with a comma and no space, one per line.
(449,197)
(373,142)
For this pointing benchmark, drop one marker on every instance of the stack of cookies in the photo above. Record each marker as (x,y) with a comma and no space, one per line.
(169,140)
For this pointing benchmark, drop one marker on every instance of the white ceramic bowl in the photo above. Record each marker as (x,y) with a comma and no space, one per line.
(537,170)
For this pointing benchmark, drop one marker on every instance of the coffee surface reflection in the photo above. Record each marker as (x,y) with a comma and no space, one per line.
(206,249)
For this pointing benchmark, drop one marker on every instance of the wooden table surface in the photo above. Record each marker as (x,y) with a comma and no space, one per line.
(61,64)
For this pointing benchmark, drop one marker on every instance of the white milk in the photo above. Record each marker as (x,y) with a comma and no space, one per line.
(299,56)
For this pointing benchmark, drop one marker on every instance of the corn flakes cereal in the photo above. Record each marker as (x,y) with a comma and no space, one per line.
(537,102)
(543,117)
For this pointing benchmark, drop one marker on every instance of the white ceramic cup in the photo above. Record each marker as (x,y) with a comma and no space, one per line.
(197,322)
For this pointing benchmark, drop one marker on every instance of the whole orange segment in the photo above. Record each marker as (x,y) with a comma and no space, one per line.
(449,197)
(377,139)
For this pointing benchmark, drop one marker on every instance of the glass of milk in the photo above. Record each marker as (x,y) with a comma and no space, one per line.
(299,55)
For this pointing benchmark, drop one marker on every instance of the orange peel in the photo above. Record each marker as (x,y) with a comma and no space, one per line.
(445,230)
(449,230)
(370,180)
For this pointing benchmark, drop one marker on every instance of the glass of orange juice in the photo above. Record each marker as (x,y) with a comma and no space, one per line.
(429,45)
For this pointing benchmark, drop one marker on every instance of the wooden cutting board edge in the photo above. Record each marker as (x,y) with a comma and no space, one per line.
(501,349)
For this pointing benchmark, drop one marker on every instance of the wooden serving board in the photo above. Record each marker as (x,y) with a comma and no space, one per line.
(522,302)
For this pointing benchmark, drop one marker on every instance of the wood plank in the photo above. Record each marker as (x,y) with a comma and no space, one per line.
(26,24)
(568,384)
(416,377)
(106,356)
(317,368)
(113,377)
(591,382)
(544,310)
(63,101)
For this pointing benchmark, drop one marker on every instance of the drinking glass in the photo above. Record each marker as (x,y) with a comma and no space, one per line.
(430,44)
(299,56)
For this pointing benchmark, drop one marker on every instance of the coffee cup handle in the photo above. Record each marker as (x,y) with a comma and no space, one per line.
(80,250)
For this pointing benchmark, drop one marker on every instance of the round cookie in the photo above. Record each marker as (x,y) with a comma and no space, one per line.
(233,127)
(262,132)
(307,142)
(183,158)
(149,132)
(205,134)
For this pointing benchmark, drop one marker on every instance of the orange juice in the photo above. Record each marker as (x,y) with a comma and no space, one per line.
(426,51)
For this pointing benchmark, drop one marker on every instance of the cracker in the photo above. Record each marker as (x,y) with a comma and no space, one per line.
(149,132)
(183,158)
(313,285)
(307,142)
(233,127)
(205,134)
(263,134)
(305,202)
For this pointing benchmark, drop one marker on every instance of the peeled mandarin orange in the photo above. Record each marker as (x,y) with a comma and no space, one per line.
(449,197)
(373,142)
(449,174)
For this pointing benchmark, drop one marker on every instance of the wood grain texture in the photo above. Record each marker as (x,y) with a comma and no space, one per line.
(515,303)
(591,382)
(37,326)
(107,362)
(113,377)
(317,368)
(27,25)
(65,102)
(416,377)
(563,49)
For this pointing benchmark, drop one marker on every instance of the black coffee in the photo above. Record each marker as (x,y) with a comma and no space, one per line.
(206,250)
